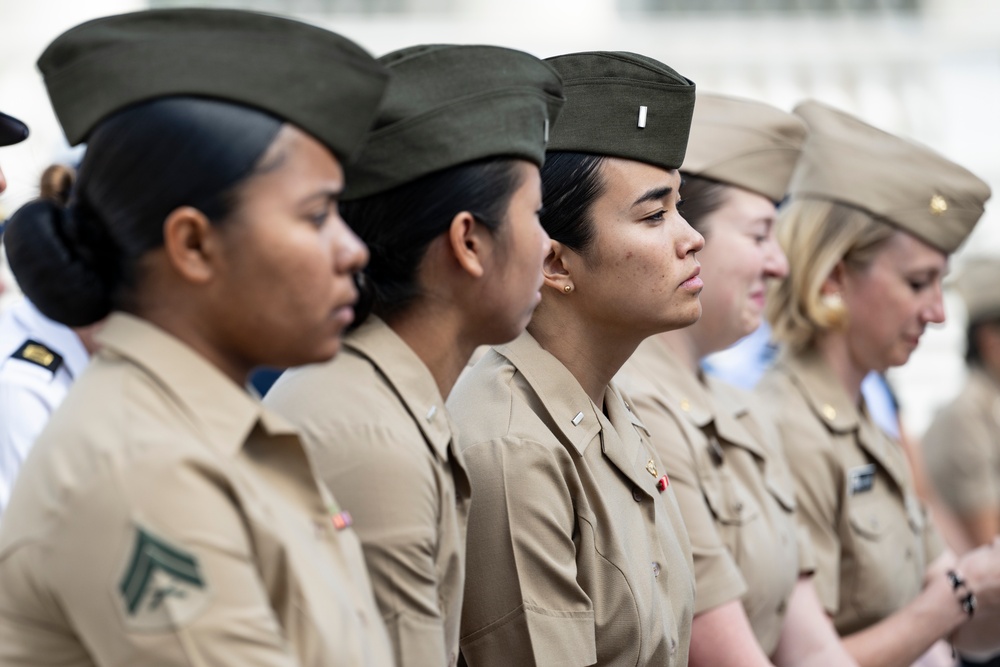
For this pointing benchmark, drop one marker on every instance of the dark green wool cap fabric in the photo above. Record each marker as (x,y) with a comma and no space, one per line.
(623,105)
(448,105)
(310,77)
(12,131)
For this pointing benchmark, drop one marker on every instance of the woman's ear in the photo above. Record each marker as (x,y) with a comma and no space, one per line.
(556,267)
(190,244)
(834,282)
(468,242)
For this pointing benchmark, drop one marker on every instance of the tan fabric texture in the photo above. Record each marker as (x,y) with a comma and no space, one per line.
(897,181)
(378,434)
(165,518)
(574,556)
(872,545)
(744,143)
(962,447)
(732,484)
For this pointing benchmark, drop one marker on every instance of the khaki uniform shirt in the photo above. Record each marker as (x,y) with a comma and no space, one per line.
(962,447)
(732,484)
(871,536)
(574,555)
(379,436)
(164,518)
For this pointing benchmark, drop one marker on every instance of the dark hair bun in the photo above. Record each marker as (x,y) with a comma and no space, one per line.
(53,265)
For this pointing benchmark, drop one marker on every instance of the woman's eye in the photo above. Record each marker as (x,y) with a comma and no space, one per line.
(918,285)
(656,217)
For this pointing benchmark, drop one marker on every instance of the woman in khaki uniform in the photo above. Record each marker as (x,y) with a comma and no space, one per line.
(450,212)
(754,596)
(962,445)
(871,221)
(576,551)
(164,517)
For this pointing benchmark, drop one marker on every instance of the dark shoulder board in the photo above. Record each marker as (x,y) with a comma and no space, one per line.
(36,353)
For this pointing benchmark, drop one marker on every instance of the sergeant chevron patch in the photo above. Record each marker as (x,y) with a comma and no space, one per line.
(162,585)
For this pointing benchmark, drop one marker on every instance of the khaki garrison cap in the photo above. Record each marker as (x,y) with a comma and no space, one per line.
(623,105)
(744,143)
(310,77)
(448,105)
(978,283)
(12,131)
(897,181)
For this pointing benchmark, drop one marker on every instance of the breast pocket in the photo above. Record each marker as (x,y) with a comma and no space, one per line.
(731,503)
(877,566)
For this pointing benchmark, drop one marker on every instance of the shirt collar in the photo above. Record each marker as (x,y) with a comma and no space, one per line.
(408,376)
(219,408)
(827,399)
(574,417)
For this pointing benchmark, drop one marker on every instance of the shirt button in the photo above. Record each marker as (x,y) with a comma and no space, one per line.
(656,569)
(673,646)
(636,494)
(738,506)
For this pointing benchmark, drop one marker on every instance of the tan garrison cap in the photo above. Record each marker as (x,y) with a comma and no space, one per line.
(898,181)
(978,283)
(744,143)
(623,105)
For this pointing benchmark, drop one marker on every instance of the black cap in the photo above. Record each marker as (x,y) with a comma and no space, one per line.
(310,77)
(12,131)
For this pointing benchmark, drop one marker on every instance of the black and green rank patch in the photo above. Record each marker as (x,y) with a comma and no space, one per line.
(162,585)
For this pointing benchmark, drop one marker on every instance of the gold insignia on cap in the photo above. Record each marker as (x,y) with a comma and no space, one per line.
(829,411)
(651,468)
(938,205)
(38,354)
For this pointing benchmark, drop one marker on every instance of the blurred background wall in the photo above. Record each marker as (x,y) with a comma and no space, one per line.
(924,69)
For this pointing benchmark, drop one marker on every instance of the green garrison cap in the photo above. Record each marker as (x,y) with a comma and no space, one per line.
(744,143)
(310,77)
(448,105)
(623,105)
(900,182)
(12,131)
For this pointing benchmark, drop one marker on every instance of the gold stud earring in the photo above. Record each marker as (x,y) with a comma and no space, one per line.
(568,289)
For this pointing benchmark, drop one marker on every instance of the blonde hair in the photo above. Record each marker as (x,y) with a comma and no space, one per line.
(816,236)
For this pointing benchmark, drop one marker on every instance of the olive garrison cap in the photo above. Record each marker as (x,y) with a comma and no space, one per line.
(897,181)
(310,77)
(12,131)
(744,143)
(448,105)
(623,105)
(978,283)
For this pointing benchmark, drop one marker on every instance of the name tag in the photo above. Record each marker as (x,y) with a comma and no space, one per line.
(861,479)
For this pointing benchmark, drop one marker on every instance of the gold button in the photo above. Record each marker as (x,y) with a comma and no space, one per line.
(938,205)
(685,405)
(829,411)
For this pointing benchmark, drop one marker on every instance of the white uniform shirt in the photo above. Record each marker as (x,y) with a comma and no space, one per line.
(30,393)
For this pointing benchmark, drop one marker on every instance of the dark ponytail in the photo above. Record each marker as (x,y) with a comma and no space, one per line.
(78,263)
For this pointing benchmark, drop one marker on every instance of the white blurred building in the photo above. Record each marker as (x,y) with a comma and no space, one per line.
(924,69)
